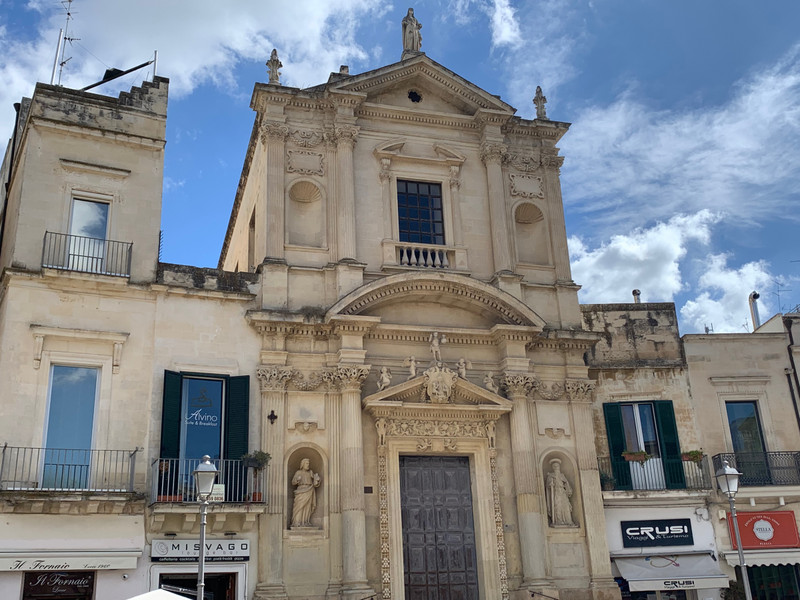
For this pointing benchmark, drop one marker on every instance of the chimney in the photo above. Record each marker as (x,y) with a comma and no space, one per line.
(753,299)
(636,294)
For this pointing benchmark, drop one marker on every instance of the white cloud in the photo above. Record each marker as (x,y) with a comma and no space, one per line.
(723,298)
(628,164)
(645,259)
(505,29)
(197,42)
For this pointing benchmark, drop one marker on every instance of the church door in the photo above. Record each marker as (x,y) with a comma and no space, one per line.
(438,530)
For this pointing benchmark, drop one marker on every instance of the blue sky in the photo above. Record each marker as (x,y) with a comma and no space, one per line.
(682,172)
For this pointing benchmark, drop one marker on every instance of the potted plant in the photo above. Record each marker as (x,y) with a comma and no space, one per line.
(256,460)
(639,456)
(695,456)
(606,481)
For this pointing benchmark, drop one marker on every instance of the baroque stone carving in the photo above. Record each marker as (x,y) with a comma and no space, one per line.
(273,130)
(549,158)
(424,444)
(558,491)
(306,383)
(274,378)
(455,179)
(350,377)
(384,379)
(436,342)
(383,506)
(412,38)
(346,135)
(305,162)
(493,151)
(306,139)
(385,173)
(439,383)
(518,384)
(579,389)
(526,186)
(539,100)
(305,482)
(488,382)
(435,428)
(380,425)
(552,392)
(411,363)
(273,64)
(498,525)
(524,162)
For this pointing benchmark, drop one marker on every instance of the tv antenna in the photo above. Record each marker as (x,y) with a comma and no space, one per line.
(63,38)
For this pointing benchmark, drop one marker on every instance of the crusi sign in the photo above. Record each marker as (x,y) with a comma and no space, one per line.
(657,532)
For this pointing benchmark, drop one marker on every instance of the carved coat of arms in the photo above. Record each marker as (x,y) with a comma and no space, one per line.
(439,382)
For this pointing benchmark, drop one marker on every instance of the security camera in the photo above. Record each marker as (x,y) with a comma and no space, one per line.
(124,576)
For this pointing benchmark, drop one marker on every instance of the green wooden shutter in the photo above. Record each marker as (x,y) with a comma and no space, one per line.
(616,446)
(237,417)
(171,416)
(669,444)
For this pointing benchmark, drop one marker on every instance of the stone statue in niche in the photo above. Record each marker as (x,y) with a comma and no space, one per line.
(305,483)
(384,379)
(412,38)
(559,492)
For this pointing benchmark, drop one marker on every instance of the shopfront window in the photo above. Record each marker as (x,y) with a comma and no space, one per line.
(64,585)
(774,582)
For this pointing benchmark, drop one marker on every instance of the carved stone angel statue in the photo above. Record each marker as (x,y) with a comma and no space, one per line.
(436,341)
(488,382)
(411,363)
(384,379)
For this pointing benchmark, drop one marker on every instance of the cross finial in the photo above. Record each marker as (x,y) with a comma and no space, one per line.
(273,64)
(539,100)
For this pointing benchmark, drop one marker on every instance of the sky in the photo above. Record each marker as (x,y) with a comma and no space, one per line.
(682,170)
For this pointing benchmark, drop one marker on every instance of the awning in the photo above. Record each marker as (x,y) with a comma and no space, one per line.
(671,572)
(758,558)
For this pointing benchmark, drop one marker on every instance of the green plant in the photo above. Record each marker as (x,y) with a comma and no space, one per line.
(734,592)
(607,482)
(696,456)
(257,459)
(639,456)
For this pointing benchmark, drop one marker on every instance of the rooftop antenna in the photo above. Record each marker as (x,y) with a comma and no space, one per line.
(64,38)
(709,329)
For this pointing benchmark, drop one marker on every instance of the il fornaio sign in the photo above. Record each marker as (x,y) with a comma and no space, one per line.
(656,532)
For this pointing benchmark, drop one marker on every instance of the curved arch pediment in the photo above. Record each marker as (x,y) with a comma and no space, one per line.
(460,291)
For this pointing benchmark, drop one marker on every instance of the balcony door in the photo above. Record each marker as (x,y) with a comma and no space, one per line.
(747,440)
(88,230)
(66,460)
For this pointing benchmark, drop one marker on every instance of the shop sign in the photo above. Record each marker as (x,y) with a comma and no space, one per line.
(30,562)
(61,583)
(188,550)
(769,529)
(657,532)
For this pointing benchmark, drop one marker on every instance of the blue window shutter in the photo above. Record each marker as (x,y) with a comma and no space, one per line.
(171,415)
(669,444)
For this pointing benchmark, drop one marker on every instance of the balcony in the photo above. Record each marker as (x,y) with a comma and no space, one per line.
(763,468)
(236,483)
(410,255)
(653,474)
(66,470)
(86,255)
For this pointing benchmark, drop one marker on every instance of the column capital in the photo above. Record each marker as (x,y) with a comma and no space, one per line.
(493,152)
(273,131)
(274,378)
(580,390)
(518,385)
(346,135)
(351,377)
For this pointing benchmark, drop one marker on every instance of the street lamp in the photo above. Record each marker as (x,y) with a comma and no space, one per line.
(728,482)
(204,476)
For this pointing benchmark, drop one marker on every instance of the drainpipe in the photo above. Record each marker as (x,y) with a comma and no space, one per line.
(10,171)
(792,373)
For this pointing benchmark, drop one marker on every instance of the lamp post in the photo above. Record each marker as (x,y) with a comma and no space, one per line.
(204,476)
(728,482)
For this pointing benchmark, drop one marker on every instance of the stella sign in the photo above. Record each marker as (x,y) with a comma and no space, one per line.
(769,529)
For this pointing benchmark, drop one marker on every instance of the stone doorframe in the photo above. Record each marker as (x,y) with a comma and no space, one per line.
(415,428)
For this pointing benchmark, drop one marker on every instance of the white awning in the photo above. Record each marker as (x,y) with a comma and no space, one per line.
(671,572)
(758,558)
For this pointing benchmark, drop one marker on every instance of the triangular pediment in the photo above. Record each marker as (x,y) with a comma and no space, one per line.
(422,84)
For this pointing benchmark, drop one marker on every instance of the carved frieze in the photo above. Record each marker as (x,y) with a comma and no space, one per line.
(273,131)
(554,391)
(424,428)
(527,163)
(306,138)
(526,186)
(305,162)
(274,378)
(306,383)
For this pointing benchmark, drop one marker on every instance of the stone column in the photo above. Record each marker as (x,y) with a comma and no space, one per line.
(551,163)
(351,468)
(455,199)
(273,136)
(579,392)
(333,195)
(492,154)
(345,191)
(333,410)
(531,531)
(270,531)
(386,198)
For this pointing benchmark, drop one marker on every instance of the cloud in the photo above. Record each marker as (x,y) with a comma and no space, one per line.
(645,259)
(723,299)
(505,29)
(629,165)
(198,43)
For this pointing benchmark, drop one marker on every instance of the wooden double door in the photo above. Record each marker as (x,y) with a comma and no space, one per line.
(439,556)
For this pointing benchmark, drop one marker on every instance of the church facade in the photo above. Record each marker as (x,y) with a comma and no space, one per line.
(393,321)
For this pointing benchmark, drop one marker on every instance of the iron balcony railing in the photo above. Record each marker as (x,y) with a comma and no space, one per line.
(173,481)
(654,474)
(66,469)
(86,255)
(763,468)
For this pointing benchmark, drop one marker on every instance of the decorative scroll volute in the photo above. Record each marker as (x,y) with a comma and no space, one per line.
(274,378)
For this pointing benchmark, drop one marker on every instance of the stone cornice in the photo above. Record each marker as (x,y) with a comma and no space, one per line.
(381,111)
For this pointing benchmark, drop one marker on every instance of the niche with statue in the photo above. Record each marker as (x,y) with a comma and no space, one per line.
(306,490)
(560,491)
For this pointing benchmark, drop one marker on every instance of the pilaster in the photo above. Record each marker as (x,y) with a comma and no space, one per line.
(346,136)
(273,135)
(551,164)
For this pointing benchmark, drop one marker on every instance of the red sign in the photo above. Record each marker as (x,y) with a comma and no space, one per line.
(769,529)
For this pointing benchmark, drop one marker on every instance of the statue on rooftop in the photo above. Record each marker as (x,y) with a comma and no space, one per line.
(539,100)
(273,64)
(412,38)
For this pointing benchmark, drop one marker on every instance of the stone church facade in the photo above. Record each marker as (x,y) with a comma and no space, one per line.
(393,320)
